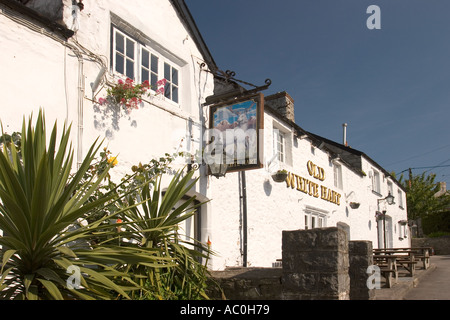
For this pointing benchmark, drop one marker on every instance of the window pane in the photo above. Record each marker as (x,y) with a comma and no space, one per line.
(119,63)
(120,43)
(130,49)
(153,81)
(144,75)
(174,76)
(167,72)
(130,69)
(167,90)
(175,94)
(145,59)
(154,64)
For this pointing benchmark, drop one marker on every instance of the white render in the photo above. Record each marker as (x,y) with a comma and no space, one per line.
(273,207)
(42,70)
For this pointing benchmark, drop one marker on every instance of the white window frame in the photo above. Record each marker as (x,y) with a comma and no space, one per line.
(124,54)
(279,144)
(315,218)
(390,188)
(152,69)
(138,66)
(376,181)
(172,85)
(337,173)
(400,198)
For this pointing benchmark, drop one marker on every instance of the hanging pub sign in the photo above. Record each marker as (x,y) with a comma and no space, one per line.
(235,135)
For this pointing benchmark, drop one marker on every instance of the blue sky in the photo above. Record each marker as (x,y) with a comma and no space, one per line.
(391,85)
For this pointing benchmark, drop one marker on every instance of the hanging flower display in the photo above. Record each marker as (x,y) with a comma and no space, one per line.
(354,205)
(129,95)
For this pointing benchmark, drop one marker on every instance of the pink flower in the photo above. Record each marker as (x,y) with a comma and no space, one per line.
(161,82)
(120,81)
(101,101)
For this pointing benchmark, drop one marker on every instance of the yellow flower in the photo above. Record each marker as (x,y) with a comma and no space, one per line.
(113,160)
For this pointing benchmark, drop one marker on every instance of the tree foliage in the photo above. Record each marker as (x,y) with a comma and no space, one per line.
(421,196)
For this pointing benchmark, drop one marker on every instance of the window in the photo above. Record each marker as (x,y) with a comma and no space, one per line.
(376,182)
(139,62)
(390,188)
(400,198)
(171,87)
(314,221)
(279,144)
(124,54)
(337,170)
(149,67)
(320,222)
(403,230)
(315,218)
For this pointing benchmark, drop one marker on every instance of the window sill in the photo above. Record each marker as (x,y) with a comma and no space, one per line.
(167,106)
(376,193)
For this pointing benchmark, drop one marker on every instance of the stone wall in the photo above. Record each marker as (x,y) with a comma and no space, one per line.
(441,245)
(360,255)
(239,283)
(317,264)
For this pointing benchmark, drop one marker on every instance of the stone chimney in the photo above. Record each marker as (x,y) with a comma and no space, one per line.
(442,189)
(283,103)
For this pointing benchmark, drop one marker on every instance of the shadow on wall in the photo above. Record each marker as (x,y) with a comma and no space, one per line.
(108,117)
(267,187)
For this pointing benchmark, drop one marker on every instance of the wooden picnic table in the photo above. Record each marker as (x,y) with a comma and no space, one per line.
(404,258)
(420,253)
(388,268)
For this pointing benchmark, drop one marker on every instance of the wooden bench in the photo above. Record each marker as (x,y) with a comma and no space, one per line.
(420,253)
(388,268)
(404,258)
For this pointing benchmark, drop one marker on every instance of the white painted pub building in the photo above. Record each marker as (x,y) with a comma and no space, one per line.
(62,56)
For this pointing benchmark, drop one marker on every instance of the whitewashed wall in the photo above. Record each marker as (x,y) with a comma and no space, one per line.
(39,72)
(273,207)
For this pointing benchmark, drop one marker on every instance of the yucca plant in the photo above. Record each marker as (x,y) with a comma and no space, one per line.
(155,224)
(41,203)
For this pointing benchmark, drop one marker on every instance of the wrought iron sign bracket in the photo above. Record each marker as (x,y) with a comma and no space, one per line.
(229,76)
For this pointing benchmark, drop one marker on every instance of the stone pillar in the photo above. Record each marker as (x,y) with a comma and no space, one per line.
(315,264)
(361,257)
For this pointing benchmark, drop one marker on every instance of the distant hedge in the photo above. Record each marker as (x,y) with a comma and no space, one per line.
(437,223)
